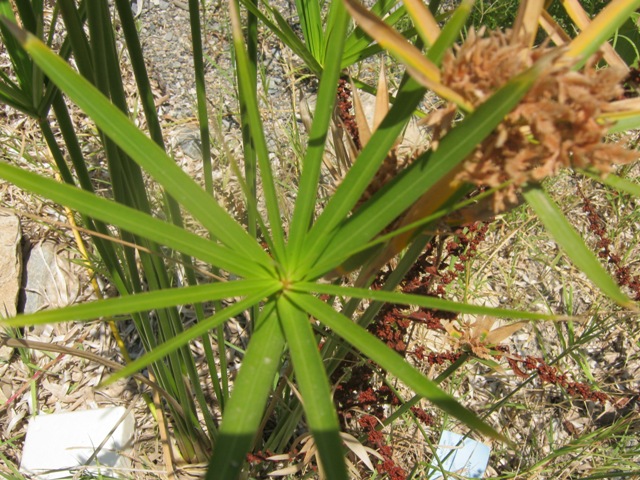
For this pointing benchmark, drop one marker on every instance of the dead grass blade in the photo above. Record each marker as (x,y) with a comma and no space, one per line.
(525,26)
(361,118)
(382,98)
(422,69)
(555,31)
(592,28)
(427,27)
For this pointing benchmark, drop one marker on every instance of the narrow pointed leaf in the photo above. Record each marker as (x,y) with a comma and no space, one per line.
(284,32)
(313,383)
(425,172)
(311,165)
(141,149)
(311,23)
(525,26)
(132,220)
(418,300)
(198,330)
(362,171)
(421,68)
(359,47)
(391,361)
(582,21)
(249,102)
(617,183)
(553,29)
(425,23)
(451,31)
(382,98)
(573,245)
(625,115)
(245,409)
(141,302)
(600,29)
(364,131)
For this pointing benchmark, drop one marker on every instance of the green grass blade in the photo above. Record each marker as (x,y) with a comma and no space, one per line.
(601,28)
(249,104)
(451,31)
(22,65)
(77,37)
(15,98)
(142,302)
(423,19)
(362,171)
(246,405)
(143,150)
(201,328)
(399,194)
(201,94)
(312,163)
(573,245)
(388,359)
(132,220)
(418,300)
(623,121)
(617,183)
(284,32)
(312,380)
(140,73)
(311,23)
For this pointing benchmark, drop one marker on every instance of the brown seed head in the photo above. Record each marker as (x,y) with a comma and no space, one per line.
(555,125)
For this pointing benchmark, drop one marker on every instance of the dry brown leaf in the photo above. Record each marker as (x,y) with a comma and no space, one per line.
(525,26)
(426,25)
(382,98)
(361,118)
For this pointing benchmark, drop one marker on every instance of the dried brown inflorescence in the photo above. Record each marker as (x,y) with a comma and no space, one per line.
(555,125)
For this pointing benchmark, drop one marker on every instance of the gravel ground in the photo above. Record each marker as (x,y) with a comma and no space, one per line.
(508,268)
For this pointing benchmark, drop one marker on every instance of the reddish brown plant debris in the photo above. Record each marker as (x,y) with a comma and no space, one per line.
(376,439)
(343,107)
(597,226)
(360,388)
(525,366)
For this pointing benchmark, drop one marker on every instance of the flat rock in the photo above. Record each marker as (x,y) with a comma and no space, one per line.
(51,278)
(10,270)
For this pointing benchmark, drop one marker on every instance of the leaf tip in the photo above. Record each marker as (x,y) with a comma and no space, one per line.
(16,31)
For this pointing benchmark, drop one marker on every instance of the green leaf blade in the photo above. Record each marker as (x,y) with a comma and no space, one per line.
(419,300)
(142,149)
(312,379)
(573,245)
(132,220)
(245,408)
(141,302)
(380,353)
(201,328)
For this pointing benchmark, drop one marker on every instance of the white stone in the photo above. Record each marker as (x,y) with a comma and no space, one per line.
(61,444)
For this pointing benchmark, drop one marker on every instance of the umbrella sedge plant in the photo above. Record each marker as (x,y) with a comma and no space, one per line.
(308,256)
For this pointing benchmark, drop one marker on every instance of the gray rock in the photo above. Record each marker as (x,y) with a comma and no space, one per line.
(10,264)
(52,280)
(10,271)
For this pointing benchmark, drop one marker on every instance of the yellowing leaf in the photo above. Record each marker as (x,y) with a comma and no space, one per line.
(595,33)
(420,68)
(423,20)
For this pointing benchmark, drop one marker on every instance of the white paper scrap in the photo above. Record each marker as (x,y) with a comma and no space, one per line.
(461,456)
(61,444)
